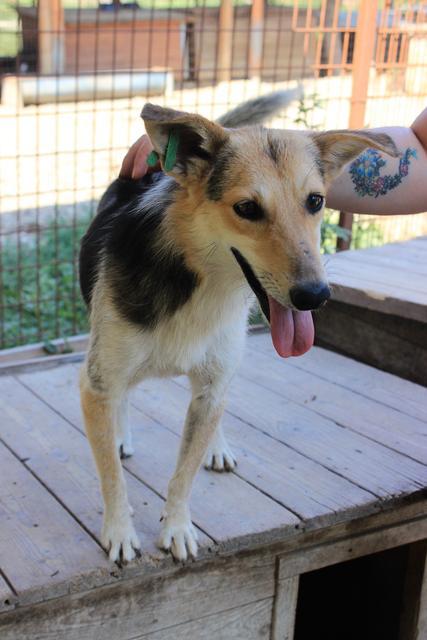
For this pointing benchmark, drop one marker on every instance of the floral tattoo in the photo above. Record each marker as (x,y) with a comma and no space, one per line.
(365,173)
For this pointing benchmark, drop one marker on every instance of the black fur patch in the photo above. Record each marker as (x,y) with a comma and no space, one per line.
(149,281)
(217,181)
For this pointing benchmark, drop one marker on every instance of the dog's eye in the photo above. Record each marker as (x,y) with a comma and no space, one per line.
(249,209)
(314,202)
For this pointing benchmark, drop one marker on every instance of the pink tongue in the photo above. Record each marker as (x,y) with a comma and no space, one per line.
(292,332)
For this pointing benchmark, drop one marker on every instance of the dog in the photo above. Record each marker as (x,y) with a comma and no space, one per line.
(168,269)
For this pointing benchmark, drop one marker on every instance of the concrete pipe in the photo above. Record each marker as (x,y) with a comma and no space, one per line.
(25,90)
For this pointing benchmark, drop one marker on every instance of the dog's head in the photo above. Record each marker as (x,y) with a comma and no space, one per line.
(260,194)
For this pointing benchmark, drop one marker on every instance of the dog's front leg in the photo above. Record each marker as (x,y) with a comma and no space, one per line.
(204,413)
(100,413)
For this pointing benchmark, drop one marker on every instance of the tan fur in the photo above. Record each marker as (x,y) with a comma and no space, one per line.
(204,338)
(285,247)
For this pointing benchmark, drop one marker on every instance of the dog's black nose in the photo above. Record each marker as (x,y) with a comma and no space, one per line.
(310,295)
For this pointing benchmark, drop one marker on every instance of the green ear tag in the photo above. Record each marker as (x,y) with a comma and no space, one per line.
(152,158)
(171,150)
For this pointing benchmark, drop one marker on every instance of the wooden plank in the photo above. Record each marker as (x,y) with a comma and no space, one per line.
(42,546)
(372,466)
(379,422)
(381,297)
(420,241)
(366,381)
(250,622)
(379,339)
(7,596)
(379,471)
(60,456)
(371,275)
(237,513)
(281,466)
(281,473)
(138,606)
(50,385)
(284,609)
(303,539)
(376,468)
(353,547)
(31,351)
(391,261)
(406,251)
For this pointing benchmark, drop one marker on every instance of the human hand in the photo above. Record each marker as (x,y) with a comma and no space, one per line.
(134,165)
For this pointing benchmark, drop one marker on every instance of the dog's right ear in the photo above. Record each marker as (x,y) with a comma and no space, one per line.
(185,143)
(337,148)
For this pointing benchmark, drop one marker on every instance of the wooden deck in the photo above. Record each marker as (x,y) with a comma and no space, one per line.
(332,465)
(378,313)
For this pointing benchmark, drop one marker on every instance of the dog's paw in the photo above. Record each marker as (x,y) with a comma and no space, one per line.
(126,450)
(179,536)
(124,445)
(120,541)
(219,456)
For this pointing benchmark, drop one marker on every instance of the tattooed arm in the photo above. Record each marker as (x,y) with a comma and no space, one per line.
(378,184)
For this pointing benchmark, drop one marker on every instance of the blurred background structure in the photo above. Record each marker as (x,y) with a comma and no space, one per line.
(74,75)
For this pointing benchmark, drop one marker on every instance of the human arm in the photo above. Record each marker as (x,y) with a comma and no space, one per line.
(399,186)
(134,165)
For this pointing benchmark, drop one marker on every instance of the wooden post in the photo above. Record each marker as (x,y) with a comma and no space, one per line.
(331,50)
(51,36)
(225,41)
(413,620)
(284,609)
(362,59)
(256,38)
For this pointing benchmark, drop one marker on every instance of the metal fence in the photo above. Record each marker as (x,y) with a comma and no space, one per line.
(75,74)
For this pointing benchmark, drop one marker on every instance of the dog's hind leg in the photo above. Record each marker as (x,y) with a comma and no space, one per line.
(123,429)
(219,456)
(204,413)
(100,411)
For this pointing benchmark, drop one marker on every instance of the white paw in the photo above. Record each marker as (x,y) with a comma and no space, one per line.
(179,536)
(126,450)
(219,456)
(124,445)
(119,539)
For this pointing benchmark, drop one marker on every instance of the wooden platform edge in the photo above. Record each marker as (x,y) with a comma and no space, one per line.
(411,511)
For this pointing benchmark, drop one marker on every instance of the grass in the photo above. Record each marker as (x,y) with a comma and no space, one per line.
(40,298)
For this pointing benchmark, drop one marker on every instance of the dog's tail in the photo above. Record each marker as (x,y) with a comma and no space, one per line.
(260,109)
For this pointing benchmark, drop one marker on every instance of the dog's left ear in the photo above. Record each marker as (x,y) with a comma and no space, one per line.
(185,143)
(337,148)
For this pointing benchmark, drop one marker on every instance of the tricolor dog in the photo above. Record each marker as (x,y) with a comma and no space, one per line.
(168,270)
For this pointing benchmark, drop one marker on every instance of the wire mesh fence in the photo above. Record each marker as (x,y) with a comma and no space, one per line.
(75,75)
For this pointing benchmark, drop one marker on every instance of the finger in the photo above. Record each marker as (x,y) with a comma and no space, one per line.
(140,166)
(128,161)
